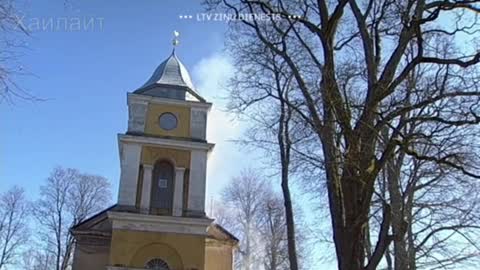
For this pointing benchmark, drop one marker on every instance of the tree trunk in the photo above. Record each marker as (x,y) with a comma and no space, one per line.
(248,251)
(398,224)
(292,253)
(285,146)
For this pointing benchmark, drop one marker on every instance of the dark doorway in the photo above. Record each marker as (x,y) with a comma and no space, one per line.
(162,188)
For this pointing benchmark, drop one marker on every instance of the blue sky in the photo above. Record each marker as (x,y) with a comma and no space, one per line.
(84,75)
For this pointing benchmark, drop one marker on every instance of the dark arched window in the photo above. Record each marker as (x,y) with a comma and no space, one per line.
(162,187)
(157,264)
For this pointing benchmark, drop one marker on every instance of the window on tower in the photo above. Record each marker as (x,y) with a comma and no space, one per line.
(157,264)
(168,121)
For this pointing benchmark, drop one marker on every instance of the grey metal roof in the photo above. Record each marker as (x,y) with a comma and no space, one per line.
(170,72)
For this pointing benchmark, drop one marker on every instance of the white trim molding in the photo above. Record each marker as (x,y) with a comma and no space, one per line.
(167,143)
(153,223)
(158,100)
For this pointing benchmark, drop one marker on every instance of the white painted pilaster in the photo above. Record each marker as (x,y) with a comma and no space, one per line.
(146,188)
(198,123)
(197,184)
(130,162)
(137,110)
(178,192)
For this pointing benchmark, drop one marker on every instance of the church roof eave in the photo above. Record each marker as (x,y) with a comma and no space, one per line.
(144,89)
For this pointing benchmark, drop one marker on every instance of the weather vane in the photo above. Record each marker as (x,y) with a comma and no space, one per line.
(175,39)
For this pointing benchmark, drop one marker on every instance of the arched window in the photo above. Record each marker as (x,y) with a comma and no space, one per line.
(162,187)
(157,264)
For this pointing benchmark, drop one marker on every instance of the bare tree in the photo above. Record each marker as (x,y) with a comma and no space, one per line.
(12,31)
(256,215)
(273,232)
(35,259)
(241,197)
(272,227)
(275,131)
(67,197)
(436,225)
(14,234)
(349,60)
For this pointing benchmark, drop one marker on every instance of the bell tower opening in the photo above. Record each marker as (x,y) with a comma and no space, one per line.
(162,188)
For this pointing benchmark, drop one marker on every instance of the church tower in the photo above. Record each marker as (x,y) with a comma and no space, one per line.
(159,221)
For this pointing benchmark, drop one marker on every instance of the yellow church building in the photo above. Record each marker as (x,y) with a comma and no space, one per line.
(159,221)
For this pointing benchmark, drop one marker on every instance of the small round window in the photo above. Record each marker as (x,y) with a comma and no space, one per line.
(168,121)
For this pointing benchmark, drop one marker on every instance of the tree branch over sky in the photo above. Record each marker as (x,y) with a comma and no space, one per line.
(13,32)
(351,63)
(14,233)
(67,198)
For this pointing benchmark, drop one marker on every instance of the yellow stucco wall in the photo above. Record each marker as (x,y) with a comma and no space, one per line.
(218,256)
(183,117)
(90,257)
(134,249)
(151,154)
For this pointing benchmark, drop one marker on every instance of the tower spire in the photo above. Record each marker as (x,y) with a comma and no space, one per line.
(175,40)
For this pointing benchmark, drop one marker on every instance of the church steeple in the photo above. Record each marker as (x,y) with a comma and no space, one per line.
(159,221)
(170,79)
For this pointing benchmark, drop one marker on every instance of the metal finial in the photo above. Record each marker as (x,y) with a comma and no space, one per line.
(175,39)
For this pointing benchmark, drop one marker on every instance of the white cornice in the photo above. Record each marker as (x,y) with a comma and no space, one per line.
(154,223)
(168,143)
(211,242)
(135,98)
